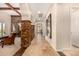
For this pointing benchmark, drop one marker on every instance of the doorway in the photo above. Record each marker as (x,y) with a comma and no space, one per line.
(75,28)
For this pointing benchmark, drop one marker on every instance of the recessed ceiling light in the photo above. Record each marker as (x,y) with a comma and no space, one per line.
(38,12)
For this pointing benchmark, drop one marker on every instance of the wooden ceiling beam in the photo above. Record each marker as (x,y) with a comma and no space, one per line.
(10,6)
(6,8)
(15,16)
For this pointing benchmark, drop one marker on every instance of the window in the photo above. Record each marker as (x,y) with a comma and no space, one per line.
(2,28)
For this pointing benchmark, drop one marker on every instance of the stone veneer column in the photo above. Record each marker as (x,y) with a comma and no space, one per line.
(32,31)
(25,33)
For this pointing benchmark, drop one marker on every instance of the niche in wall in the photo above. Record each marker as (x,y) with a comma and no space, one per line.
(49,26)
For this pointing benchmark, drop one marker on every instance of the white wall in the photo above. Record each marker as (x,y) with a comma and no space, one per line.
(25,11)
(63,27)
(7,20)
(60,26)
(53,11)
(75,27)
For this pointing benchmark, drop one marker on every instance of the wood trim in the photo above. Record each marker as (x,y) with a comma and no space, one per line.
(15,16)
(5,8)
(20,52)
(26,21)
(9,5)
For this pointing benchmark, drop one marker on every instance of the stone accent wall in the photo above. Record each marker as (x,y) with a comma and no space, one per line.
(26,33)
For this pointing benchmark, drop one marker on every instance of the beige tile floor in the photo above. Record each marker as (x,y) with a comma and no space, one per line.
(41,48)
(9,50)
(72,52)
(37,48)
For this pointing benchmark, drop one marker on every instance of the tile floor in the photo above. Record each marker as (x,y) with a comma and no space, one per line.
(72,52)
(10,49)
(41,48)
(37,48)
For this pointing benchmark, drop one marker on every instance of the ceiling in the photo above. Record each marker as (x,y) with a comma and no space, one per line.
(10,12)
(35,8)
(39,7)
(13,4)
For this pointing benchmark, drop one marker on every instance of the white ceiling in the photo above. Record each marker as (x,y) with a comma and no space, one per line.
(13,4)
(3,5)
(10,12)
(42,7)
(35,7)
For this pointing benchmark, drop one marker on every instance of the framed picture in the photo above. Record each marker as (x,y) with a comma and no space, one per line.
(49,26)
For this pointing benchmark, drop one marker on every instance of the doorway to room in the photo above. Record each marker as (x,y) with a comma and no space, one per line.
(75,28)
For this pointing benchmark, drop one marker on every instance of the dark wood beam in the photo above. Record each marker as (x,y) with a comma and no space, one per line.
(15,16)
(6,8)
(10,6)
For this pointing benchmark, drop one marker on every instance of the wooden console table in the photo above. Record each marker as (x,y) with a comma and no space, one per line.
(2,40)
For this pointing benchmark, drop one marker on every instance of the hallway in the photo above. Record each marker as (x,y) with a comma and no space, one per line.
(42,29)
(40,49)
